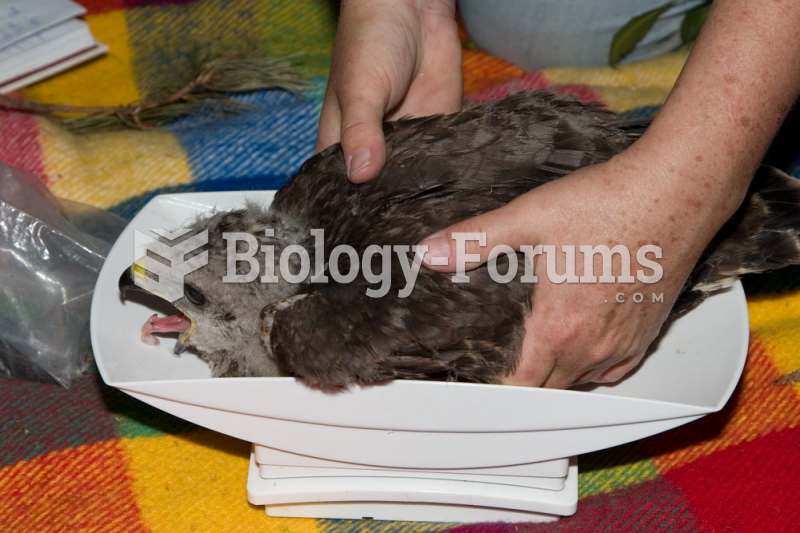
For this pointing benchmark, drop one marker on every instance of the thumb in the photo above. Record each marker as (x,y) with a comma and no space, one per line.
(363,143)
(476,240)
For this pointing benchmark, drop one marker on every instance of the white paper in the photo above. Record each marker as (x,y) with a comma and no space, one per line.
(45,72)
(64,40)
(13,54)
(22,18)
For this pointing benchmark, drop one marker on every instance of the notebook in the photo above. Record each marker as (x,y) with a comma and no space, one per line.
(39,38)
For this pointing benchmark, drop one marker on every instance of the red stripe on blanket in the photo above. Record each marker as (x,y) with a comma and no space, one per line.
(745,487)
(82,489)
(482,71)
(654,505)
(533,81)
(145,3)
(756,409)
(39,419)
(584,92)
(529,81)
(101,6)
(19,142)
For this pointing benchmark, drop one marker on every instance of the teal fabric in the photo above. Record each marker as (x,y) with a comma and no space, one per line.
(536,34)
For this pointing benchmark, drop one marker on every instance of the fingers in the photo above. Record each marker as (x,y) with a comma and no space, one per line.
(395,58)
(352,114)
(565,376)
(620,370)
(330,118)
(540,367)
(363,143)
(611,372)
(373,59)
(437,83)
(475,241)
(535,366)
(563,346)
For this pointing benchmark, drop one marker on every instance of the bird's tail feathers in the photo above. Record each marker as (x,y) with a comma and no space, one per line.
(633,127)
(763,235)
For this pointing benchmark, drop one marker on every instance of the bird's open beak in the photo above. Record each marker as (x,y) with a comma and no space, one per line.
(135,279)
(126,283)
(173,323)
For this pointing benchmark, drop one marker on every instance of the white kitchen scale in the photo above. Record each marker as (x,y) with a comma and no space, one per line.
(412,450)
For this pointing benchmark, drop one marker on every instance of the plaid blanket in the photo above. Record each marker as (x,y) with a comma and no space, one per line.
(94,459)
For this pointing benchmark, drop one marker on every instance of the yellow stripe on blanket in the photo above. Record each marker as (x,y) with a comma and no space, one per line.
(103,169)
(644,83)
(204,490)
(621,99)
(775,318)
(105,81)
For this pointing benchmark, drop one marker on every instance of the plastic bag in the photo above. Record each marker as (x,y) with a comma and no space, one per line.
(51,252)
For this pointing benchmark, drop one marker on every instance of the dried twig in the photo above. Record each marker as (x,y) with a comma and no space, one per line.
(205,93)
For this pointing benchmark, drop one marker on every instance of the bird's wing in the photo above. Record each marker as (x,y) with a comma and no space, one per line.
(499,149)
(338,335)
(524,139)
(763,234)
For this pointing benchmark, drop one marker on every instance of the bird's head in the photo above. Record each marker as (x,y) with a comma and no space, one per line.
(217,318)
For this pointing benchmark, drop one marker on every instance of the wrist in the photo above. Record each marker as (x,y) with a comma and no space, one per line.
(436,7)
(698,172)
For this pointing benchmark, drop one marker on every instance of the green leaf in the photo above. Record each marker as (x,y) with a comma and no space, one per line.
(693,22)
(631,33)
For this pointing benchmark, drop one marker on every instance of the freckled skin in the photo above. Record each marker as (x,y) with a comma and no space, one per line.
(697,204)
(442,330)
(745,63)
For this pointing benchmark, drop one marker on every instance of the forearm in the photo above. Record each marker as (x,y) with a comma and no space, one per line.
(391,59)
(741,79)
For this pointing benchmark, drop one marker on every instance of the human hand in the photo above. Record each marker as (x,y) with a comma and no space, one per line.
(579,332)
(391,59)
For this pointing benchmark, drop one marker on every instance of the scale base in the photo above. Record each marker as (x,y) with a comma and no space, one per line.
(408,512)
(410,498)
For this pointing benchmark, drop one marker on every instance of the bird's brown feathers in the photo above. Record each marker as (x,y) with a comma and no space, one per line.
(336,335)
(439,171)
(762,235)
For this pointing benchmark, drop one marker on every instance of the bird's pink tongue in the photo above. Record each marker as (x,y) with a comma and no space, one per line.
(164,324)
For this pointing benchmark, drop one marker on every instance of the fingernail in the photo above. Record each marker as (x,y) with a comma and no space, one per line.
(438,250)
(358,161)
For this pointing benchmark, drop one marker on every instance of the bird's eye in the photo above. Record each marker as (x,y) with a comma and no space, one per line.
(193,295)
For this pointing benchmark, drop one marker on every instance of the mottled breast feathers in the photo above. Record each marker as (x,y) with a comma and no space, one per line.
(441,170)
